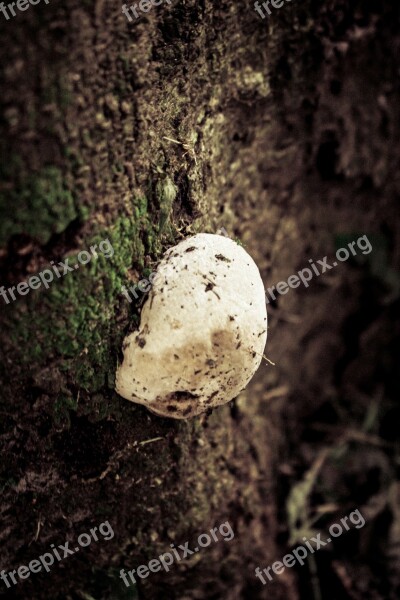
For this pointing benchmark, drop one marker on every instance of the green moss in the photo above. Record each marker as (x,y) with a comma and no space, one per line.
(39,205)
(75,319)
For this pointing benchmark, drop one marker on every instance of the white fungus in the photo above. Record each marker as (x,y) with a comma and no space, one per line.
(202,332)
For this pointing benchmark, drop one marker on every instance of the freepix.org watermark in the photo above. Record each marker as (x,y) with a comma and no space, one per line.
(305,275)
(299,554)
(46,276)
(165,560)
(46,560)
(266,6)
(21,5)
(143,286)
(143,6)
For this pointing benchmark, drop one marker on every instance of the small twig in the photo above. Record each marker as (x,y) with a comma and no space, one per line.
(184,145)
(37,532)
(267,359)
(263,356)
(156,439)
(172,140)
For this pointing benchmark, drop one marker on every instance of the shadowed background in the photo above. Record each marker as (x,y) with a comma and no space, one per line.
(199,115)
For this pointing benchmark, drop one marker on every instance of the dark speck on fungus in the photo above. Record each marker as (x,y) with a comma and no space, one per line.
(221,257)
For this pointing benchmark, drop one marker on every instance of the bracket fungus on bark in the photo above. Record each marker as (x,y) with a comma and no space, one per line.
(202,332)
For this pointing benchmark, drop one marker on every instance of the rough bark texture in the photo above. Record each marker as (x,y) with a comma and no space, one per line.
(287,132)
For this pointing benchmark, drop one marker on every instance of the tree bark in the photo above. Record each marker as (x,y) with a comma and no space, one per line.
(274,129)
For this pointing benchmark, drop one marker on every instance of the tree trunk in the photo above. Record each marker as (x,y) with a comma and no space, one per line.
(194,117)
